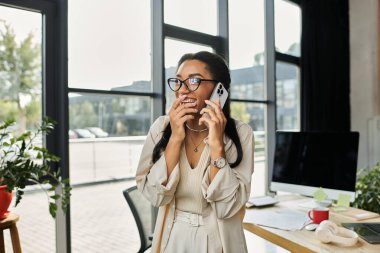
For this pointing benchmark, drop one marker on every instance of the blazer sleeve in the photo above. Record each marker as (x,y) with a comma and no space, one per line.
(151,178)
(231,187)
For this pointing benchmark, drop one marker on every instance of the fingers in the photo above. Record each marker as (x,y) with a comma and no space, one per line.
(178,106)
(175,105)
(185,106)
(214,112)
(181,112)
(213,109)
(178,101)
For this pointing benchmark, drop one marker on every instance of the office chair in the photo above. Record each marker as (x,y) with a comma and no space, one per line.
(142,212)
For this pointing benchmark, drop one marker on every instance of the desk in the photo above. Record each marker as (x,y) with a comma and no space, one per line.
(303,241)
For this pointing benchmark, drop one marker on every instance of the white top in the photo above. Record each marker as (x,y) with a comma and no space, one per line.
(189,195)
(224,197)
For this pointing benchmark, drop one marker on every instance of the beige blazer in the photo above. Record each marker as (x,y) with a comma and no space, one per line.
(225,196)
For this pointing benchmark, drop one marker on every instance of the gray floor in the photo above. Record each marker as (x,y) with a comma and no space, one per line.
(101,222)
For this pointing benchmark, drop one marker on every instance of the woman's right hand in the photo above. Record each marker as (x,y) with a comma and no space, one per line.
(179,114)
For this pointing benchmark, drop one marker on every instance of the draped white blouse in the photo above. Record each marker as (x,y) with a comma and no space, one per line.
(225,196)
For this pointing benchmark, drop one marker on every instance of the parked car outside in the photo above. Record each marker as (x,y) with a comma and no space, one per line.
(84,133)
(98,131)
(72,134)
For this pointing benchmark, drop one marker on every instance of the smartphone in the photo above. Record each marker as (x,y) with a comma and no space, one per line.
(221,93)
(218,92)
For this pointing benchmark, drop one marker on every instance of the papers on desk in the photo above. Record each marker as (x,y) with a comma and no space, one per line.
(285,219)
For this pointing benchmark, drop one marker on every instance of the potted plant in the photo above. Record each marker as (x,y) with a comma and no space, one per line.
(368,189)
(24,161)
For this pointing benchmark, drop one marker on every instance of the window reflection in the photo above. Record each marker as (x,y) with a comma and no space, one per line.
(287,94)
(112,115)
(107,134)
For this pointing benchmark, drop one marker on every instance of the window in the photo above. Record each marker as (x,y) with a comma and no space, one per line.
(111,53)
(110,107)
(246,40)
(114,93)
(24,63)
(287,27)
(287,96)
(195,15)
(247,59)
(288,35)
(21,67)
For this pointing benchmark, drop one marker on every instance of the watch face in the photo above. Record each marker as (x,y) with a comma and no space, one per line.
(220,163)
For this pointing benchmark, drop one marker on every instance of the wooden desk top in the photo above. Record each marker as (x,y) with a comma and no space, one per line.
(303,241)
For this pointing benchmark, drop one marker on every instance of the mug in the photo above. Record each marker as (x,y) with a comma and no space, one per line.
(319,214)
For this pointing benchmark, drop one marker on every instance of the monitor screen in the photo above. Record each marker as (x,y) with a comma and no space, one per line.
(305,161)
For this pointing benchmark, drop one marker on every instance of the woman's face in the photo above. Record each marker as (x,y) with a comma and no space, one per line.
(196,69)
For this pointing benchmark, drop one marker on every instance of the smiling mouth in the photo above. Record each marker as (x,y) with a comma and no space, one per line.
(189,100)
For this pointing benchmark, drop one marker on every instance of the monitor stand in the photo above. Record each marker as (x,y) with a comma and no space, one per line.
(310,204)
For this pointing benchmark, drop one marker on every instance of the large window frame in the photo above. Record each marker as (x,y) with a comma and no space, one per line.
(288,58)
(162,31)
(56,88)
(272,57)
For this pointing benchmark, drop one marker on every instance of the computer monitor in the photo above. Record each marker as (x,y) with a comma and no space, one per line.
(306,161)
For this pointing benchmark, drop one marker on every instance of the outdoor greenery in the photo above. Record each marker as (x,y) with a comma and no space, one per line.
(368,189)
(239,111)
(24,161)
(20,78)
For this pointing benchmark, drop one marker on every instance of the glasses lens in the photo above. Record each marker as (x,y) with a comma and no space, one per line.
(174,83)
(194,83)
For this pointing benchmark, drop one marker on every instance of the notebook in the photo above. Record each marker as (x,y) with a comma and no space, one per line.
(261,201)
(355,214)
(368,231)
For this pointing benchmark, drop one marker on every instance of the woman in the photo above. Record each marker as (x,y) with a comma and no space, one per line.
(193,166)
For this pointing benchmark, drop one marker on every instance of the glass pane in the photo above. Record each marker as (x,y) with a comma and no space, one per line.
(106,135)
(248,83)
(253,114)
(21,100)
(174,50)
(250,113)
(287,27)
(198,15)
(113,51)
(246,39)
(287,94)
(20,67)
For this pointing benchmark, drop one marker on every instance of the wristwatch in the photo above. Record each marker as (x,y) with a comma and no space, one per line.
(219,162)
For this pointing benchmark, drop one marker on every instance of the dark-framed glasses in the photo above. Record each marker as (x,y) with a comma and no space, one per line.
(191,83)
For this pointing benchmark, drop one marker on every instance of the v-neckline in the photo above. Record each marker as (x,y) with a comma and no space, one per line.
(200,158)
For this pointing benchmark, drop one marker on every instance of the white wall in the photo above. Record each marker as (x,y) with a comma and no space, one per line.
(364,46)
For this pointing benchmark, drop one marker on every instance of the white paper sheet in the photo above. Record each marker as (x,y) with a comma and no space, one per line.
(285,219)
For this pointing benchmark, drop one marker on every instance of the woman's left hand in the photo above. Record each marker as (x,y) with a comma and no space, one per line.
(216,123)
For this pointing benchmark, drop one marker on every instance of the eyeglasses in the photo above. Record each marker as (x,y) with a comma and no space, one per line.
(191,83)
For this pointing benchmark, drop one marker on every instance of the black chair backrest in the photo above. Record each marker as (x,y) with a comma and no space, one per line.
(142,212)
